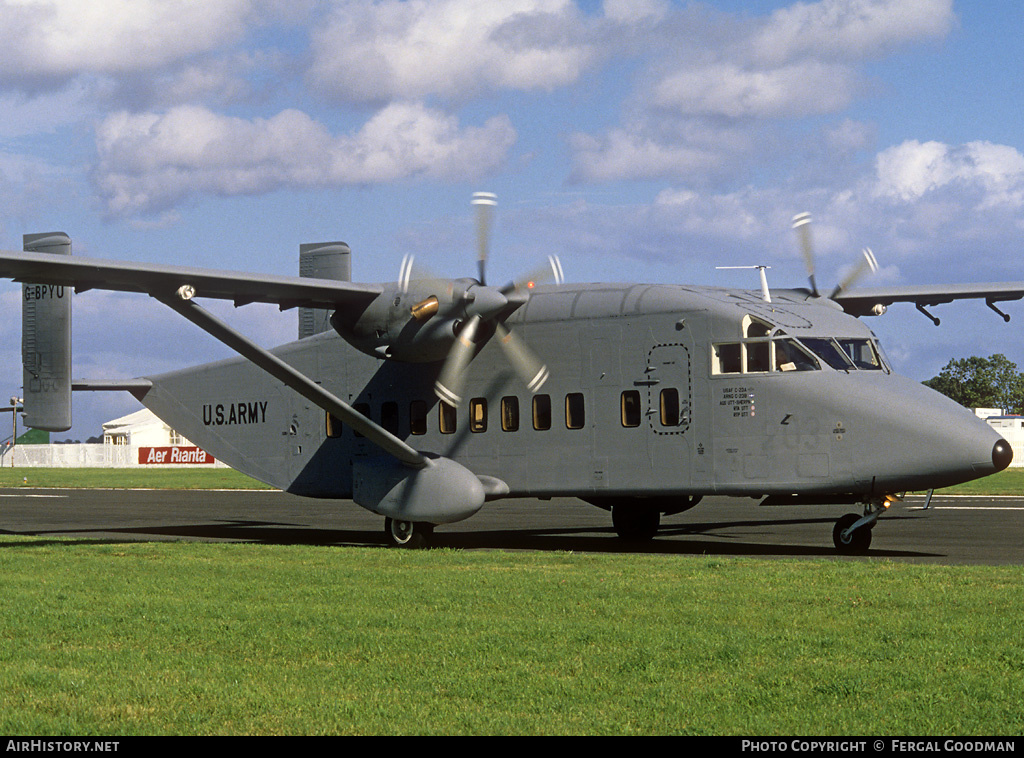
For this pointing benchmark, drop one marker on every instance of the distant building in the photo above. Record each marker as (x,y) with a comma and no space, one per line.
(138,439)
(1010,427)
(141,429)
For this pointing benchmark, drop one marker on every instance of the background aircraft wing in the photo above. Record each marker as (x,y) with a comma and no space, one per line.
(862,301)
(94,273)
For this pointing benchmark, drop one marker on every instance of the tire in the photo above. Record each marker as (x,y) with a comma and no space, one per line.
(635,523)
(856,543)
(411,535)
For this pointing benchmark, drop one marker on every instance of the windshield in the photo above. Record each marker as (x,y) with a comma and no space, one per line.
(790,356)
(829,351)
(862,352)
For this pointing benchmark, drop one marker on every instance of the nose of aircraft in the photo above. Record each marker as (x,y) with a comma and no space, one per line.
(931,443)
(1002,454)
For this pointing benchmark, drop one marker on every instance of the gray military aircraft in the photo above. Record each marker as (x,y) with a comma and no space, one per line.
(636,398)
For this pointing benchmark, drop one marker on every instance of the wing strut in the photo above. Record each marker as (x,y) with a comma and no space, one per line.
(264,359)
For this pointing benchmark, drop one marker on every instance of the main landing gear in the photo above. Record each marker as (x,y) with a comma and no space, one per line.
(635,524)
(638,519)
(852,533)
(411,535)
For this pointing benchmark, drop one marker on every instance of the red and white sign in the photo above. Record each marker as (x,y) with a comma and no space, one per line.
(154,455)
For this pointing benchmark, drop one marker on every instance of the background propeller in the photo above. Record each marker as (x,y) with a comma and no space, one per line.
(802,225)
(868,264)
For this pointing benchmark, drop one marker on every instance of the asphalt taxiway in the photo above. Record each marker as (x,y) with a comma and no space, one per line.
(978,530)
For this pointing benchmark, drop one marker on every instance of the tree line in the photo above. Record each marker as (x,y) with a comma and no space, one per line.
(976,382)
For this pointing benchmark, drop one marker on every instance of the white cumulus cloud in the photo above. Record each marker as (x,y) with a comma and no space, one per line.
(149,161)
(730,89)
(62,38)
(372,52)
(912,169)
(849,28)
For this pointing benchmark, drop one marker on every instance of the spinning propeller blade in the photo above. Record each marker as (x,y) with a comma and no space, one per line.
(868,265)
(526,364)
(489,305)
(485,203)
(412,272)
(549,273)
(448,386)
(802,225)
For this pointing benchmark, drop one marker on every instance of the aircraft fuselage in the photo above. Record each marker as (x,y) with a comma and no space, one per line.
(655,391)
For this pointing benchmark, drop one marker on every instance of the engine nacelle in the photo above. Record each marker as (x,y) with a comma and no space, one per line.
(441,492)
(399,336)
(389,327)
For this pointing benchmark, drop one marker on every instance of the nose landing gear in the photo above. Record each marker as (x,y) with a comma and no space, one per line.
(852,533)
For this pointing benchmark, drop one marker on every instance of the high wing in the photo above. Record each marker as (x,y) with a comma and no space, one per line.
(94,273)
(865,301)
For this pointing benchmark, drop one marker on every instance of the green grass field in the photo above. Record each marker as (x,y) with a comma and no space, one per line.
(198,638)
(129,478)
(106,638)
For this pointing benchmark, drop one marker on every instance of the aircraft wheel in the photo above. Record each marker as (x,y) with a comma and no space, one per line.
(411,535)
(635,524)
(854,544)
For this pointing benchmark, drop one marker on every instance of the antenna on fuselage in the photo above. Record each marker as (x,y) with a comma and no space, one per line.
(765,294)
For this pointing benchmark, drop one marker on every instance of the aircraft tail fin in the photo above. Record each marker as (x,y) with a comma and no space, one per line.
(322,260)
(46,342)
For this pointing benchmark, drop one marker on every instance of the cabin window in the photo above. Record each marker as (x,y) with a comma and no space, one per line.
(758,356)
(478,414)
(333,426)
(510,414)
(669,406)
(630,408)
(727,358)
(389,416)
(752,355)
(574,412)
(418,417)
(757,347)
(363,409)
(446,417)
(541,412)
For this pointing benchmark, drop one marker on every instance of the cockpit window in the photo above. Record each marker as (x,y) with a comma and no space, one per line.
(763,348)
(829,351)
(790,356)
(863,353)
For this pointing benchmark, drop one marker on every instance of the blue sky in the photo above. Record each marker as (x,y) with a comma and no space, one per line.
(641,140)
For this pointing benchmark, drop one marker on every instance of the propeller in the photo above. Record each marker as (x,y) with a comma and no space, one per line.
(485,306)
(802,225)
(869,264)
(485,203)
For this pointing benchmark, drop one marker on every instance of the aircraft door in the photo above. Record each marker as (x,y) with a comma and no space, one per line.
(668,386)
